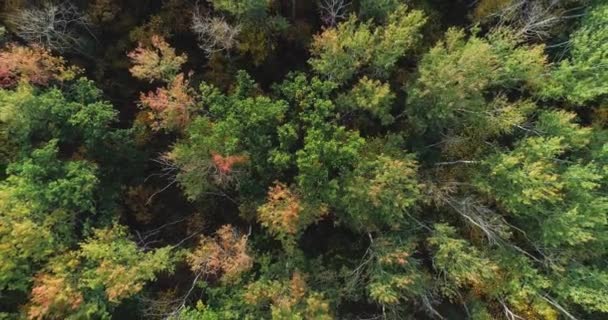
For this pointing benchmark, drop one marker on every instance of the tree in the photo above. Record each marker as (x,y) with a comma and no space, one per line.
(34,64)
(340,53)
(457,262)
(529,182)
(328,153)
(103,11)
(378,9)
(582,77)
(257,24)
(394,275)
(42,197)
(380,192)
(158,63)
(288,299)
(214,34)
(55,26)
(80,117)
(585,286)
(107,269)
(533,20)
(169,108)
(462,86)
(285,216)
(332,11)
(369,96)
(224,256)
(232,149)
(248,9)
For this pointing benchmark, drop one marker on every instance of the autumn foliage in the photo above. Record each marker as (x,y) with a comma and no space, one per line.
(224,255)
(288,297)
(286,216)
(34,64)
(51,295)
(304,160)
(282,211)
(224,167)
(157,63)
(168,107)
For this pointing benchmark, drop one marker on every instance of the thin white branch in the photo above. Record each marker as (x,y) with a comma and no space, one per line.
(332,11)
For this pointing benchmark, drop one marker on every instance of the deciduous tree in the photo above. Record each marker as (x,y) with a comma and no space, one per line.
(340,53)
(157,63)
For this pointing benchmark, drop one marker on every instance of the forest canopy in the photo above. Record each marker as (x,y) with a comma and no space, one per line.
(293,159)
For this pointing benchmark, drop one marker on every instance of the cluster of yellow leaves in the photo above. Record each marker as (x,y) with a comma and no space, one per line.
(288,300)
(386,293)
(339,53)
(372,96)
(33,64)
(118,280)
(394,276)
(157,63)
(397,257)
(537,176)
(225,255)
(116,264)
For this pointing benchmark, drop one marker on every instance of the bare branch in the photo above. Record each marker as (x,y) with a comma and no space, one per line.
(332,11)
(558,307)
(214,34)
(427,303)
(509,314)
(457,162)
(534,19)
(55,26)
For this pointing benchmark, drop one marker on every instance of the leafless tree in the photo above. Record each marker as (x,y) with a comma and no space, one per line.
(55,26)
(169,308)
(535,19)
(214,34)
(332,11)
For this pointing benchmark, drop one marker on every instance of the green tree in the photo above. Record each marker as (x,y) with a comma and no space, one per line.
(380,192)
(583,76)
(462,89)
(107,269)
(371,97)
(45,194)
(240,130)
(342,52)
(535,181)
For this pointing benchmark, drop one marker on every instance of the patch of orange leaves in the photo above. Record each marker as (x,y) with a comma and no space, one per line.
(224,164)
(33,64)
(52,294)
(169,107)
(225,255)
(281,212)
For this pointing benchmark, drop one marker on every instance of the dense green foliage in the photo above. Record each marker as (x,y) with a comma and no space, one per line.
(265,159)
